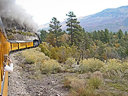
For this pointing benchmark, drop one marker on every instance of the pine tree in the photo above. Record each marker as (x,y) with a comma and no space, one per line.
(120,34)
(55,28)
(95,35)
(43,35)
(102,36)
(74,28)
(106,34)
(85,44)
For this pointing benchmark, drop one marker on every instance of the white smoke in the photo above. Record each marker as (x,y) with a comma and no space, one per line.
(14,15)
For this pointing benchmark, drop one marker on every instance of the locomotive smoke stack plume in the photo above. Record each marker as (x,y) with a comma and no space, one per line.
(14,15)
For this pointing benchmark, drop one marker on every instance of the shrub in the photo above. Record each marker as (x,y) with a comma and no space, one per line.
(83,91)
(54,53)
(19,32)
(50,66)
(29,60)
(14,32)
(60,53)
(74,83)
(41,62)
(38,49)
(23,33)
(28,33)
(44,50)
(78,87)
(34,55)
(96,79)
(91,65)
(70,62)
(67,83)
(114,67)
(10,37)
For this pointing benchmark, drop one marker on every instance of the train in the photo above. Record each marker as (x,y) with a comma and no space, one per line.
(7,46)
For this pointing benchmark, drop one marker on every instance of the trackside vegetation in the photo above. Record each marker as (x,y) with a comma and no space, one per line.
(97,60)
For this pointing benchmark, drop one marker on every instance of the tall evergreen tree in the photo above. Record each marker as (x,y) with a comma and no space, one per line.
(106,35)
(55,28)
(120,34)
(126,33)
(102,36)
(95,35)
(43,35)
(74,28)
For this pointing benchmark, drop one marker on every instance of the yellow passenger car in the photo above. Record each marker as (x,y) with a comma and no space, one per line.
(7,46)
(4,49)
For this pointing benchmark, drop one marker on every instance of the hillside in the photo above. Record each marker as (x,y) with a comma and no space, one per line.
(35,74)
(113,19)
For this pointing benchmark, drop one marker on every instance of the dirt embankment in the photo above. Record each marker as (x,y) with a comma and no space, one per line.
(20,83)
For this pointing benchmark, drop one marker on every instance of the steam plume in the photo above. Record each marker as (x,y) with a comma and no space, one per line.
(14,15)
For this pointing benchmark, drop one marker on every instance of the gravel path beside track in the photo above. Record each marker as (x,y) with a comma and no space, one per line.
(21,85)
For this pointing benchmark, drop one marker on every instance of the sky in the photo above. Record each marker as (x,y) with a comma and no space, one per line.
(44,10)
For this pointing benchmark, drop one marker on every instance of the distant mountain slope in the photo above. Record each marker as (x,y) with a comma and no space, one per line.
(113,19)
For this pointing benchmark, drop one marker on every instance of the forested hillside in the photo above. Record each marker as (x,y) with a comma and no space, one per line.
(101,44)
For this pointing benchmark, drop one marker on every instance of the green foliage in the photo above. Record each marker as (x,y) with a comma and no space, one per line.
(44,50)
(14,32)
(28,33)
(120,34)
(19,32)
(75,30)
(70,61)
(55,53)
(23,33)
(55,28)
(106,34)
(62,53)
(51,39)
(43,35)
(120,85)
(10,37)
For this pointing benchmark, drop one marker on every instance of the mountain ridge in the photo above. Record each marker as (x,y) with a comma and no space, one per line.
(112,18)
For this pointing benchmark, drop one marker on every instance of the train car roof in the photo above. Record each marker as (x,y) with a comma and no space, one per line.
(19,41)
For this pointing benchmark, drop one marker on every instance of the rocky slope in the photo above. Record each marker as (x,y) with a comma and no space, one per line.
(20,84)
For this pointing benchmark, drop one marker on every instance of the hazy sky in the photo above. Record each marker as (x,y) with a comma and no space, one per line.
(43,10)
